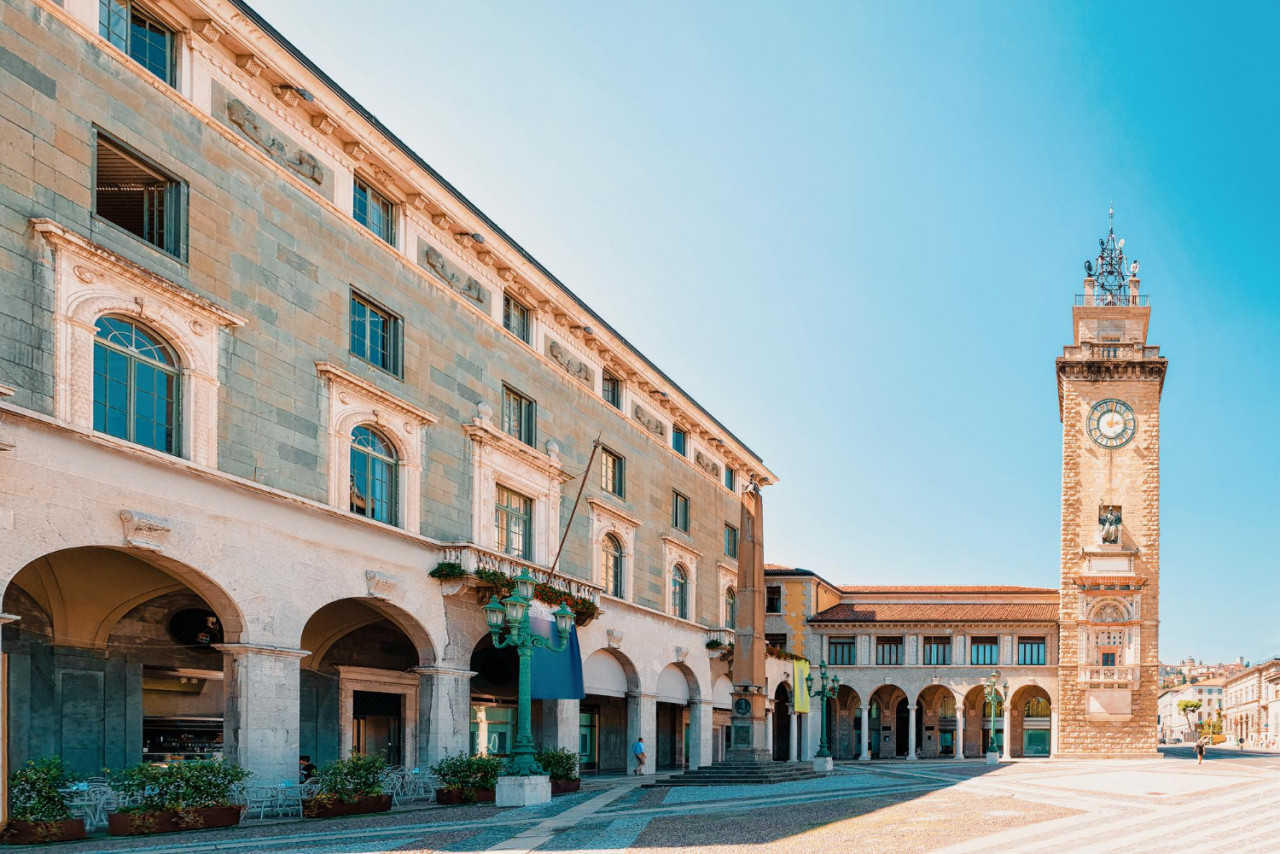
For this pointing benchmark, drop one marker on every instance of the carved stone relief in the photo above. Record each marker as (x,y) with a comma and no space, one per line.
(707,464)
(144,530)
(432,260)
(577,369)
(238,115)
(648,422)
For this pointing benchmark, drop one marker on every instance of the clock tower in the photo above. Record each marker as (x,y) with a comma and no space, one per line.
(1109,386)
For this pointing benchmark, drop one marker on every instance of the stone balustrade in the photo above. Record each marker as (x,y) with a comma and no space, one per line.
(1116,675)
(473,557)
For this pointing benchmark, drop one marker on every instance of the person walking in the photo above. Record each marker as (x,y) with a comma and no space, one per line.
(1200,751)
(638,750)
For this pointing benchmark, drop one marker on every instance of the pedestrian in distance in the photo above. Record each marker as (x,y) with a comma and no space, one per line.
(638,750)
(1200,751)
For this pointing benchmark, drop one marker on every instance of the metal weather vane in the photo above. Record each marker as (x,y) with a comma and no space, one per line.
(1111,275)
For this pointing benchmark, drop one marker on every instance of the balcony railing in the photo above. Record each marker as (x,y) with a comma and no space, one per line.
(722,634)
(474,557)
(1103,299)
(1118,675)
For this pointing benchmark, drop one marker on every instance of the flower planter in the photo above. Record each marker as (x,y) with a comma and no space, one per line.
(30,832)
(564,787)
(325,808)
(170,821)
(450,797)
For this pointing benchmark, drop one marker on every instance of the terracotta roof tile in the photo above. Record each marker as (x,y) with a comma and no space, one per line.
(988,612)
(929,588)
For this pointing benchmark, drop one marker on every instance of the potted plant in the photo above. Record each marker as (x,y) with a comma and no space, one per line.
(349,787)
(38,809)
(562,766)
(715,648)
(467,779)
(451,575)
(181,796)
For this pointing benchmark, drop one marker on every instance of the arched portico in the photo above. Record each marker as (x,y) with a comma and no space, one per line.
(610,682)
(359,683)
(844,724)
(889,723)
(984,727)
(937,734)
(1031,722)
(114,658)
(782,706)
(678,707)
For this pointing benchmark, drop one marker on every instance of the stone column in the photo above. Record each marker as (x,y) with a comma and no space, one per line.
(960,730)
(261,689)
(911,732)
(642,722)
(1053,730)
(866,734)
(1006,752)
(768,731)
(5,619)
(560,724)
(792,754)
(701,734)
(444,713)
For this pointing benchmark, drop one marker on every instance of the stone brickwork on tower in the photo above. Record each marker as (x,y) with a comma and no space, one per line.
(1109,386)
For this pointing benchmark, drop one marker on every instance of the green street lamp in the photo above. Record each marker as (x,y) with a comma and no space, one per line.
(824,693)
(994,691)
(514,610)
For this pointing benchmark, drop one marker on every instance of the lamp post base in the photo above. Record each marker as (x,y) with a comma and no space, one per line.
(823,764)
(523,791)
(993,758)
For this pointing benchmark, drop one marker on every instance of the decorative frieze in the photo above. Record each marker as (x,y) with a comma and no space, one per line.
(707,464)
(238,115)
(649,421)
(433,261)
(576,368)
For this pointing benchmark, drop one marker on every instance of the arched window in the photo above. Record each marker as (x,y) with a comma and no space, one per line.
(373,475)
(947,709)
(730,608)
(614,563)
(1036,707)
(680,592)
(135,385)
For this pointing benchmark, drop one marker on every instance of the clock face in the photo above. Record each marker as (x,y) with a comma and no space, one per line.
(1111,423)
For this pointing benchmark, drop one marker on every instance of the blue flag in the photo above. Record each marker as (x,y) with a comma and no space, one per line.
(556,675)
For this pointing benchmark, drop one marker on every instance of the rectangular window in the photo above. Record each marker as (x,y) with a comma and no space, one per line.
(1031,651)
(374,211)
(515,317)
(937,650)
(773,599)
(777,641)
(513,516)
(1108,659)
(148,42)
(375,334)
(679,512)
(519,416)
(138,197)
(731,541)
(984,651)
(888,651)
(678,440)
(842,651)
(613,473)
(730,478)
(611,390)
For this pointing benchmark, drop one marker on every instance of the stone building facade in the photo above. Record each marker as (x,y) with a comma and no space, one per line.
(1247,700)
(262,370)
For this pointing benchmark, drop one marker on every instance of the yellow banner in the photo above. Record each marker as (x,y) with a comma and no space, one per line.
(802,689)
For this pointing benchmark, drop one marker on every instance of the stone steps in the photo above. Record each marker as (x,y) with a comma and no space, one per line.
(730,773)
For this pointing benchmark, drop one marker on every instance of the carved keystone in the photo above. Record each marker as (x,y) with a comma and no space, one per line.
(144,530)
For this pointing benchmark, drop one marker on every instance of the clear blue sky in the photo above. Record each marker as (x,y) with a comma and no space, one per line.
(853,232)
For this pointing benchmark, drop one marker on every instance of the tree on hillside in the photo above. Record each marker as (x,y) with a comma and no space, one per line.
(1186,707)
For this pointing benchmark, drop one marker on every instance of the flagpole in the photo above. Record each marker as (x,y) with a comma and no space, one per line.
(595,446)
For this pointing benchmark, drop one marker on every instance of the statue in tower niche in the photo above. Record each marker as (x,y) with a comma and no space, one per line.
(1109,524)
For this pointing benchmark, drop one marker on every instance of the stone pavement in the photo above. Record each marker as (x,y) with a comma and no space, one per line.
(1229,804)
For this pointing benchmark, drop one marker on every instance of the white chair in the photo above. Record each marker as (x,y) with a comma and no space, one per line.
(264,799)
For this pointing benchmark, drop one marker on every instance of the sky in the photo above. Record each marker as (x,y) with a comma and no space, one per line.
(854,231)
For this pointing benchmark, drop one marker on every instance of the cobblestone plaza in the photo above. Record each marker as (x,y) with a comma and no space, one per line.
(965,808)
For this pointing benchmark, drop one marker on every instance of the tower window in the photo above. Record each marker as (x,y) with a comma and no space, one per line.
(374,211)
(611,390)
(515,318)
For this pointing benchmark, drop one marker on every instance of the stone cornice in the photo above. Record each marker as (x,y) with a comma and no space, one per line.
(485,433)
(7,390)
(680,545)
(340,377)
(262,649)
(61,238)
(609,510)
